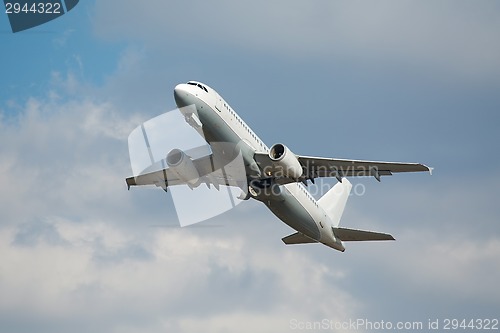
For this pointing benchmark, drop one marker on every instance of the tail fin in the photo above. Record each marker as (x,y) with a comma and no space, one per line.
(333,201)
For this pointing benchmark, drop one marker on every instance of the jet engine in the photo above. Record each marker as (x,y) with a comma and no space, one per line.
(182,165)
(285,162)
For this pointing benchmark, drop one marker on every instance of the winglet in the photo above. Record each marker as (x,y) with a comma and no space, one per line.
(130,182)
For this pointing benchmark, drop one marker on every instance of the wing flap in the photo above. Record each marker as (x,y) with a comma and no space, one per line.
(297,238)
(353,235)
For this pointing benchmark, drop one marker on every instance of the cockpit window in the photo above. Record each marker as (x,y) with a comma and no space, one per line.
(202,87)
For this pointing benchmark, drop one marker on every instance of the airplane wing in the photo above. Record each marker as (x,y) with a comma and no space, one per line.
(315,167)
(160,175)
(330,167)
(209,169)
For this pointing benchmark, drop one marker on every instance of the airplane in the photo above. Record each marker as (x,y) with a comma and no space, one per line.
(275,176)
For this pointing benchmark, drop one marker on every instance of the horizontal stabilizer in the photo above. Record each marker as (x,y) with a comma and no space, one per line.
(348,235)
(297,238)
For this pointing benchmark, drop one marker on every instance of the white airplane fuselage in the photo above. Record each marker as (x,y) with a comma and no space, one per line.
(293,204)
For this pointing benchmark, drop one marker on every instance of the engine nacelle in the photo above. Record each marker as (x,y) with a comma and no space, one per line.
(285,162)
(183,166)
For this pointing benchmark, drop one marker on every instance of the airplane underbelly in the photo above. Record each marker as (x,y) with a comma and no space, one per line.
(291,212)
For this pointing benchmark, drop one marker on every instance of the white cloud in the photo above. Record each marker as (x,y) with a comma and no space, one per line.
(75,245)
(175,286)
(456,268)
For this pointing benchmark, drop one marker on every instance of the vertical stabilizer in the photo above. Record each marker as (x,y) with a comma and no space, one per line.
(333,201)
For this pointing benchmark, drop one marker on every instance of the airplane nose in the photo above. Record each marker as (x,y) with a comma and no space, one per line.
(177,91)
(180,95)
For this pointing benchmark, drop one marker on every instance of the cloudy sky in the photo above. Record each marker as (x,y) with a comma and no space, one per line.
(415,81)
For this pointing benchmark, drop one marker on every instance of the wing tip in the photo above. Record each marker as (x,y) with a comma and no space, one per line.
(426,168)
(130,181)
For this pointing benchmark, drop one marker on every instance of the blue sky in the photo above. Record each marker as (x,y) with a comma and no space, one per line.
(386,80)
